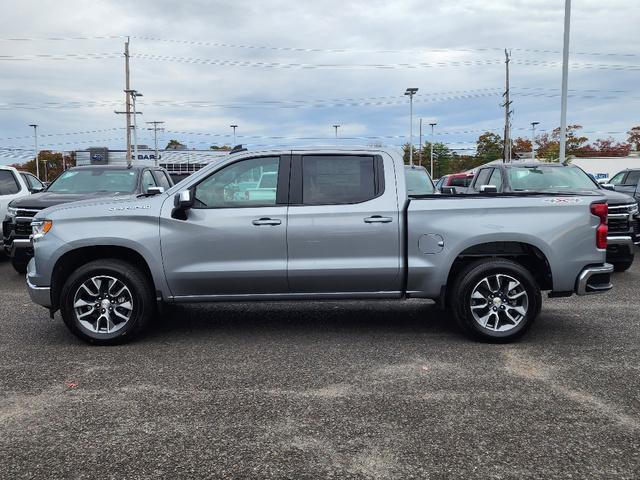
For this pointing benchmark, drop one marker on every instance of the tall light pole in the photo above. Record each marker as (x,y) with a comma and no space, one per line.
(565,80)
(336,129)
(234,134)
(533,139)
(134,94)
(410,92)
(35,139)
(432,125)
(155,124)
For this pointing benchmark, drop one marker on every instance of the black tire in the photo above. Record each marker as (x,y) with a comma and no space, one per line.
(470,277)
(622,266)
(19,263)
(137,283)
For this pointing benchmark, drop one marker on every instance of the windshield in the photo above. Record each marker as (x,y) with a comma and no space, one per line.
(549,178)
(96,180)
(418,181)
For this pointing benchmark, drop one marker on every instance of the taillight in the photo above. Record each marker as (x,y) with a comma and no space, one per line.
(601,210)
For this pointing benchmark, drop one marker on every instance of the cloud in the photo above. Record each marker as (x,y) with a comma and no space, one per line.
(461,40)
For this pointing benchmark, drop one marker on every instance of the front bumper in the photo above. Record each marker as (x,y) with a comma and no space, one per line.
(39,295)
(19,245)
(594,279)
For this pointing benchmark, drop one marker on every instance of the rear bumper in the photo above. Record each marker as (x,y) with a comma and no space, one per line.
(39,295)
(594,279)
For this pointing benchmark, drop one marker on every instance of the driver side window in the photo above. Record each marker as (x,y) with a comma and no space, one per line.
(617,179)
(247,183)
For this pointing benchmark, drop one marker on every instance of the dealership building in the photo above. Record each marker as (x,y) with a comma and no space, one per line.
(174,161)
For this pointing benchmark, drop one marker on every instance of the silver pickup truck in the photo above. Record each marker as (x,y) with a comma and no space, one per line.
(338,225)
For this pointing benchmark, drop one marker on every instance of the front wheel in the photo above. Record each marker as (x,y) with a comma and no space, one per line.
(107,302)
(495,300)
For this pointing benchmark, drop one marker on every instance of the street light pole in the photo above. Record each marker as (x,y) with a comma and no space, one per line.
(533,139)
(35,139)
(432,125)
(336,128)
(155,124)
(134,94)
(410,92)
(234,134)
(565,80)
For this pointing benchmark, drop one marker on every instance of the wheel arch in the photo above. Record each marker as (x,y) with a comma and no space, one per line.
(73,259)
(527,255)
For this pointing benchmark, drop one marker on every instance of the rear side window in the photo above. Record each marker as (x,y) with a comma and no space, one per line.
(8,183)
(632,178)
(339,179)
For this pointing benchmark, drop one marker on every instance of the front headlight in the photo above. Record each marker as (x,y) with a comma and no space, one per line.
(40,228)
(633,210)
(12,211)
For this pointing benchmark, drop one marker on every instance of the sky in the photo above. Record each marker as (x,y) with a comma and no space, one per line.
(286,71)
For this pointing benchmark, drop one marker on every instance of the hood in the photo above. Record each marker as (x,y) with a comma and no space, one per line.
(39,201)
(616,198)
(105,206)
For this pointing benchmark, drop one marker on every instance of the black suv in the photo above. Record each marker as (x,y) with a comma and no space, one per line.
(623,218)
(77,183)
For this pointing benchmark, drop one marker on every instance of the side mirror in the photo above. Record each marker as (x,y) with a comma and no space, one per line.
(448,190)
(488,189)
(182,202)
(155,190)
(608,186)
(37,189)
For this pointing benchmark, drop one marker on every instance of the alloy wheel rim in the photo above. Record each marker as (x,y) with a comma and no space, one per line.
(103,304)
(499,303)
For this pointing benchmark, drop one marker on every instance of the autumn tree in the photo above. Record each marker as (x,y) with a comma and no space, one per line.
(521,145)
(52,164)
(489,147)
(634,137)
(548,145)
(224,148)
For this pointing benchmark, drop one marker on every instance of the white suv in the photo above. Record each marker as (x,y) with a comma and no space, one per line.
(15,184)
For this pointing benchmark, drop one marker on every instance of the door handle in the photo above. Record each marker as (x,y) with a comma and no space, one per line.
(378,219)
(266,221)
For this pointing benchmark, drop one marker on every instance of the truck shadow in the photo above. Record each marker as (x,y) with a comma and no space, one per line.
(318,317)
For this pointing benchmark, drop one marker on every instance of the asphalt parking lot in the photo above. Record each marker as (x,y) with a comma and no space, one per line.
(323,390)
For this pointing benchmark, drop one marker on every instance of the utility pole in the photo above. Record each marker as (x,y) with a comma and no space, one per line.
(507,113)
(155,124)
(533,139)
(336,128)
(565,81)
(432,125)
(127,88)
(234,135)
(410,92)
(35,139)
(420,151)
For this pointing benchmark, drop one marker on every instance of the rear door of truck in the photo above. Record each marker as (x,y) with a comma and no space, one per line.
(343,232)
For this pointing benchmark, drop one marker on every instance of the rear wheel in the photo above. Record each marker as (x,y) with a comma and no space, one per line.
(495,300)
(107,302)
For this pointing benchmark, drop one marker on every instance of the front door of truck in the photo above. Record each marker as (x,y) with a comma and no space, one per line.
(343,227)
(233,240)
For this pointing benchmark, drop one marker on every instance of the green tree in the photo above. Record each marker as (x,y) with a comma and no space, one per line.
(225,148)
(51,164)
(489,147)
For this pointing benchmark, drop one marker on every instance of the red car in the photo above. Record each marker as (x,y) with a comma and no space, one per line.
(459,180)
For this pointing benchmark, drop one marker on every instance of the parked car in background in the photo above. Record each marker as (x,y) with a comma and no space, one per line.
(627,181)
(623,221)
(77,183)
(460,181)
(418,180)
(342,225)
(15,184)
